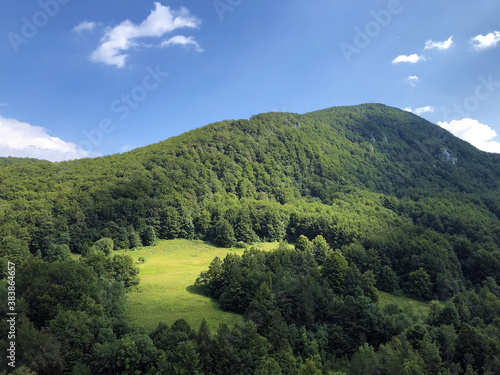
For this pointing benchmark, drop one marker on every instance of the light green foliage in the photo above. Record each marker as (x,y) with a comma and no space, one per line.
(309,368)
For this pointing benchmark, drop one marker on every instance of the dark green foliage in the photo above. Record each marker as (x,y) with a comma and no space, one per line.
(303,244)
(387,280)
(57,253)
(320,248)
(369,182)
(134,240)
(104,245)
(419,284)
(334,270)
(148,236)
(224,234)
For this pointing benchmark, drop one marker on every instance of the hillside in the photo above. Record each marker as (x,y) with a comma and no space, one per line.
(349,173)
(375,200)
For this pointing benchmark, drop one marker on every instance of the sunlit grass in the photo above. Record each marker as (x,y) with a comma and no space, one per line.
(169,269)
(408,305)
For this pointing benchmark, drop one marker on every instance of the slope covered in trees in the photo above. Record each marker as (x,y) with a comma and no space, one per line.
(384,196)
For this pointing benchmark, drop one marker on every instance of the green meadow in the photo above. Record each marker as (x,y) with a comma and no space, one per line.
(172,266)
(169,269)
(406,304)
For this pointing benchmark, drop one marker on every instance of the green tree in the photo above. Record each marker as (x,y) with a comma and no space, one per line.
(320,249)
(387,279)
(419,285)
(224,234)
(334,270)
(303,244)
(170,223)
(125,270)
(148,236)
(268,366)
(364,361)
(134,240)
(309,368)
(57,253)
(104,245)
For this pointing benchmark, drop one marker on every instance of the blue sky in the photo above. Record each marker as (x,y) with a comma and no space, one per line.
(100,77)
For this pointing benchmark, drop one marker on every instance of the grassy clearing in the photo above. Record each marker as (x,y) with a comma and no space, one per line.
(170,267)
(408,305)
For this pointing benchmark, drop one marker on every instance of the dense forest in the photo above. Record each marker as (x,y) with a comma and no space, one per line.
(374,198)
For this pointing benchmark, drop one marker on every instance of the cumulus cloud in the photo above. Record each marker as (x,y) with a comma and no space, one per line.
(412,80)
(420,110)
(472,131)
(119,39)
(441,46)
(183,41)
(481,42)
(409,59)
(84,26)
(21,139)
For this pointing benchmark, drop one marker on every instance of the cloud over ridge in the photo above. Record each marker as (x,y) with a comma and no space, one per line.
(20,139)
(477,134)
(121,38)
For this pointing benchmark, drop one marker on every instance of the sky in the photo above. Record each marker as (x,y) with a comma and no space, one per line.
(99,77)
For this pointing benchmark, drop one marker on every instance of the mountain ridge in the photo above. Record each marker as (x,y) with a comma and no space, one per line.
(356,173)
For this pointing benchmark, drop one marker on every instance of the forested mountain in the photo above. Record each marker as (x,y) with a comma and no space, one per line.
(388,197)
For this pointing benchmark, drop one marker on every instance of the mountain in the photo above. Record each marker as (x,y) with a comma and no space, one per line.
(355,173)
(374,199)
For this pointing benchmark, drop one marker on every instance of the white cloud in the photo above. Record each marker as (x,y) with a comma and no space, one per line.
(439,45)
(125,148)
(84,26)
(472,131)
(412,80)
(183,41)
(409,59)
(20,139)
(123,37)
(3,104)
(420,110)
(481,42)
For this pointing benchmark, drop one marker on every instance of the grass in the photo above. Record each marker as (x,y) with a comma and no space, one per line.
(169,269)
(172,266)
(408,305)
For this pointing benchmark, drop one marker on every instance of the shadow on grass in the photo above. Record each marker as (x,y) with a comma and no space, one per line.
(197,289)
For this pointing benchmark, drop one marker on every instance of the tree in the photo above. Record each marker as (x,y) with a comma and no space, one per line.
(57,253)
(224,234)
(387,280)
(303,244)
(419,285)
(204,346)
(125,270)
(148,236)
(268,366)
(320,248)
(170,223)
(334,270)
(262,307)
(104,245)
(243,229)
(134,240)
(309,368)
(364,361)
